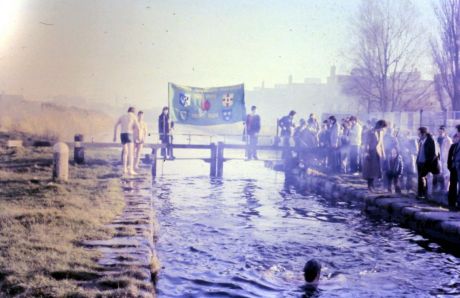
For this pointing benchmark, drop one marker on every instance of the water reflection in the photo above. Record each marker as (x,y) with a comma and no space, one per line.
(244,236)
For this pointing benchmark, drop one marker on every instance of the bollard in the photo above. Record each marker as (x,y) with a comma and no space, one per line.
(79,150)
(213,160)
(60,162)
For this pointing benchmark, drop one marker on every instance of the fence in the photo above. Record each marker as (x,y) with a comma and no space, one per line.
(410,121)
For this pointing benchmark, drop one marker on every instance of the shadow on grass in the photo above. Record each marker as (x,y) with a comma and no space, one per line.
(75,275)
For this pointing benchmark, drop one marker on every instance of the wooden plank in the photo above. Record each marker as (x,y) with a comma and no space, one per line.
(260,147)
(191,146)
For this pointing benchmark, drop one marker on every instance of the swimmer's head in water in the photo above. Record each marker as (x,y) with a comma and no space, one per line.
(312,271)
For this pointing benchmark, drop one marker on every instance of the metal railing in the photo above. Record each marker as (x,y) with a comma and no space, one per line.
(192,138)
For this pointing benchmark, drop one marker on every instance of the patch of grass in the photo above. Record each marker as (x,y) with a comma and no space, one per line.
(42,223)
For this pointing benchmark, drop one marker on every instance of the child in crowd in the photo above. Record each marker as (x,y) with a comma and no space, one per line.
(394,169)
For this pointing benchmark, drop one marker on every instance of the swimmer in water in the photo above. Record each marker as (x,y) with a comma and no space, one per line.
(311,273)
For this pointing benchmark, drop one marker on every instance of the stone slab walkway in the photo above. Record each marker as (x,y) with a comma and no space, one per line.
(426,217)
(129,258)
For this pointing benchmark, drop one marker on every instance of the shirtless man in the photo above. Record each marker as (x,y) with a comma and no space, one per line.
(128,123)
(140,137)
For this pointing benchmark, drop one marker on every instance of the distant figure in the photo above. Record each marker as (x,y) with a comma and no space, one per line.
(128,123)
(312,124)
(252,133)
(312,273)
(394,169)
(335,133)
(374,154)
(324,139)
(409,154)
(390,141)
(427,161)
(354,136)
(441,181)
(299,135)
(139,135)
(286,124)
(164,129)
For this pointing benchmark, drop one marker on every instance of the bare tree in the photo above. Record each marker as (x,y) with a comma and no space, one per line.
(446,53)
(387,45)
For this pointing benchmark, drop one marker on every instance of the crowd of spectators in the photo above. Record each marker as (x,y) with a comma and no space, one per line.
(388,158)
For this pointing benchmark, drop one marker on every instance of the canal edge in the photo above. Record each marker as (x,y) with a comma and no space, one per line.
(129,263)
(435,222)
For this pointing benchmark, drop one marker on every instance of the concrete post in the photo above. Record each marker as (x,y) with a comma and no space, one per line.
(213,160)
(154,162)
(220,159)
(60,162)
(79,150)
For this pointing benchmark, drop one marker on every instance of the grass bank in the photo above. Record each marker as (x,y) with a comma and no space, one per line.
(42,223)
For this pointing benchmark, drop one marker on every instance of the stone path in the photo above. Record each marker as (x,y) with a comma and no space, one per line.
(128,259)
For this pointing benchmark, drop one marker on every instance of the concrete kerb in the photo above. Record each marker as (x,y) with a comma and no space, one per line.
(433,221)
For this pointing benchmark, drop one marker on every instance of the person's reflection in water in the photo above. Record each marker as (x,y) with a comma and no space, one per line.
(251,200)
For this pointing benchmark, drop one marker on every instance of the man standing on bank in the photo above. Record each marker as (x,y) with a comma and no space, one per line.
(286,124)
(374,154)
(164,129)
(452,196)
(252,133)
(128,123)
(140,136)
(427,161)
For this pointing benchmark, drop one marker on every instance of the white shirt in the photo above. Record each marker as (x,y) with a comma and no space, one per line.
(355,134)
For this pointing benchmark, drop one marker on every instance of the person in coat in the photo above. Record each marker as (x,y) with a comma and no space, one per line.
(452,195)
(252,131)
(164,129)
(427,161)
(374,154)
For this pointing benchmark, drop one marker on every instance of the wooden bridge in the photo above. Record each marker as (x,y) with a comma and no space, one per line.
(216,159)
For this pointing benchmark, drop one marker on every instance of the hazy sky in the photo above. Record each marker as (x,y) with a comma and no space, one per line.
(113,49)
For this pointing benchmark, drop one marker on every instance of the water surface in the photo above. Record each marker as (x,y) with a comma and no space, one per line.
(246,236)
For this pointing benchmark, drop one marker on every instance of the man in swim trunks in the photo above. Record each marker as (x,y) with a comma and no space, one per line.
(140,137)
(128,123)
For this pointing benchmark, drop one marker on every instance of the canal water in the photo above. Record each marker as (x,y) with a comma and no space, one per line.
(247,236)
